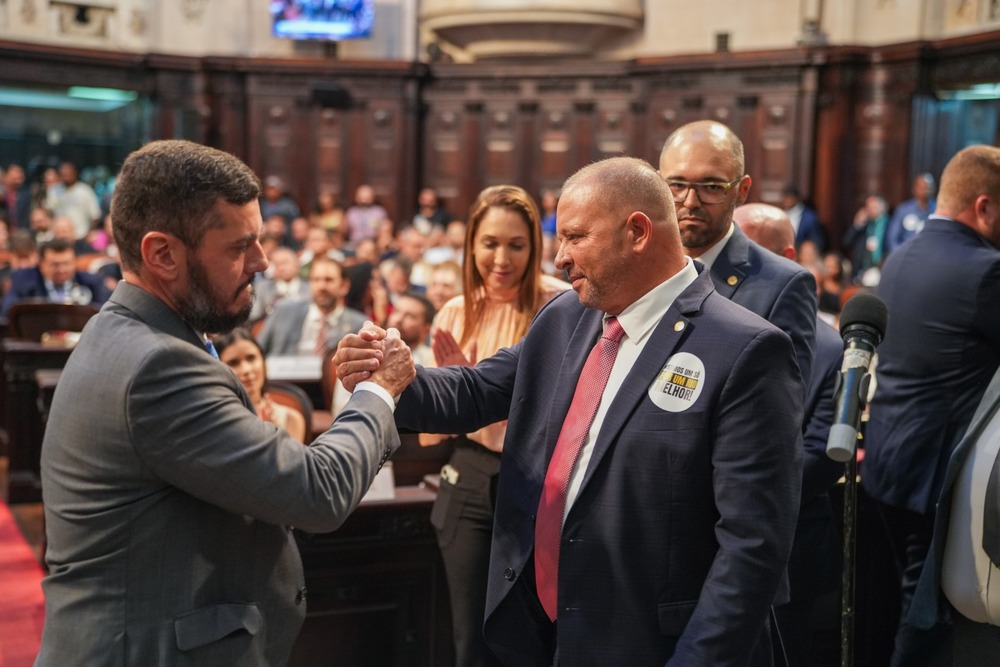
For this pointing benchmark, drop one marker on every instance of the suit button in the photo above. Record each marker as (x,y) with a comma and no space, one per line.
(509,574)
(300,596)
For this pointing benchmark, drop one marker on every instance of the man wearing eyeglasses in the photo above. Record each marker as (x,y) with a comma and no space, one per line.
(702,162)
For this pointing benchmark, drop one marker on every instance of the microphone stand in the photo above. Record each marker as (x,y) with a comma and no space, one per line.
(847,572)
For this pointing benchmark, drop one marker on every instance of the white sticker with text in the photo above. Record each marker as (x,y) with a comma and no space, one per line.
(679,383)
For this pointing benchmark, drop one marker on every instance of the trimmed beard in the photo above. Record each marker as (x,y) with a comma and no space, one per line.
(201,307)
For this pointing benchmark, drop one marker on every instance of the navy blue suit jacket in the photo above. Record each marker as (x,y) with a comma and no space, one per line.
(810,229)
(814,566)
(28,284)
(941,348)
(677,542)
(777,289)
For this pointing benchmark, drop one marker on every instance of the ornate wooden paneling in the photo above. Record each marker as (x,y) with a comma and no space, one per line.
(840,122)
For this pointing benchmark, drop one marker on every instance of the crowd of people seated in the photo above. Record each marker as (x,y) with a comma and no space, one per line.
(332,268)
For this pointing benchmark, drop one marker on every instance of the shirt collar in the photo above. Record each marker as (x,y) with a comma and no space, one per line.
(315,315)
(646,312)
(709,256)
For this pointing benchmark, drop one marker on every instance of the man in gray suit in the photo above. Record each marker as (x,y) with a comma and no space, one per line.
(167,500)
(316,326)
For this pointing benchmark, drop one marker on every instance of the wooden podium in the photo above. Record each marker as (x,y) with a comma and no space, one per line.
(377,594)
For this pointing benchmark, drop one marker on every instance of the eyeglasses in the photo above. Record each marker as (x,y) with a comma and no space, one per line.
(708,193)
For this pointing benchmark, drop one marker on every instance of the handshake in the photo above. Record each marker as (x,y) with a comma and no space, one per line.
(375,354)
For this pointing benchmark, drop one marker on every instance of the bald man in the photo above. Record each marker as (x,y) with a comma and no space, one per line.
(663,535)
(703,164)
(809,636)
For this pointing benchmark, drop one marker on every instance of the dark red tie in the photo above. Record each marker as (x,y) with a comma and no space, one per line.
(586,398)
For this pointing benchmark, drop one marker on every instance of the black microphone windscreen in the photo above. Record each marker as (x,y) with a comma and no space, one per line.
(865,308)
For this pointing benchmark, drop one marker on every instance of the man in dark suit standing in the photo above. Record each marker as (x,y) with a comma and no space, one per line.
(650,475)
(167,500)
(702,163)
(806,226)
(15,198)
(941,348)
(55,279)
(809,628)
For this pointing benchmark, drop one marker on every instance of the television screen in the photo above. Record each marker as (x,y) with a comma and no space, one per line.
(322,19)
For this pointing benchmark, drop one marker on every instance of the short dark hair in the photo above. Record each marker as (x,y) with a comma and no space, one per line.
(173,186)
(55,245)
(429,310)
(222,341)
(23,241)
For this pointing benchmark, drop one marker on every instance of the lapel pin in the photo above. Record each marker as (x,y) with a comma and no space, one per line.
(732,280)
(679,326)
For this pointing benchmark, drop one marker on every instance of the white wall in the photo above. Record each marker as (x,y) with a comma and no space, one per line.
(243,27)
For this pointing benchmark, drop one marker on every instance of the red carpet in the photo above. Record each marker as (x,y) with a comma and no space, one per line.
(22,607)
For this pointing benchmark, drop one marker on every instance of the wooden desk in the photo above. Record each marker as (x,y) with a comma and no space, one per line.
(376,589)
(21,416)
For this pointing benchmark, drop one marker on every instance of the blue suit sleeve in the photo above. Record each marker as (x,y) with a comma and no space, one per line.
(459,399)
(757,464)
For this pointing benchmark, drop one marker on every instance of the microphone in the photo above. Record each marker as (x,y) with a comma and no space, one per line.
(862,326)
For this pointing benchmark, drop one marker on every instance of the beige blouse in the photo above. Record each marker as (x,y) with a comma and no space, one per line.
(495,331)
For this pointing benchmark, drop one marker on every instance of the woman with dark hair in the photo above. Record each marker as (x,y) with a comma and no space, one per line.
(367,293)
(240,351)
(503,288)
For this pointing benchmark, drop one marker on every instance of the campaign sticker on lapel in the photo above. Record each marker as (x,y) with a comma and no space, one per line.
(678,385)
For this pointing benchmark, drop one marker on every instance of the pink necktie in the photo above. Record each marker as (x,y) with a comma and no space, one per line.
(324,331)
(586,398)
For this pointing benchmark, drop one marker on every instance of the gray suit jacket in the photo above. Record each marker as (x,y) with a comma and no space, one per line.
(283,328)
(167,501)
(266,297)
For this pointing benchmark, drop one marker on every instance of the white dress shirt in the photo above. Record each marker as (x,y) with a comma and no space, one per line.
(638,321)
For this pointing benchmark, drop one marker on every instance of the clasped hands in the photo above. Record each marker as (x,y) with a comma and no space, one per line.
(375,354)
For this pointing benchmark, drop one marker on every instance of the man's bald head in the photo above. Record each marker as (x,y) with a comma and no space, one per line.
(708,133)
(767,226)
(625,183)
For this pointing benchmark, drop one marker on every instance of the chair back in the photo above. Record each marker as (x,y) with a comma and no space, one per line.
(291,396)
(257,326)
(31,320)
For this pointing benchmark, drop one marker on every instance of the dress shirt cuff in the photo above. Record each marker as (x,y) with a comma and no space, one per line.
(378,390)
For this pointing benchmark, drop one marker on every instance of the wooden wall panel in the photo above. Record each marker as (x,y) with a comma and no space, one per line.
(500,140)
(837,121)
(329,150)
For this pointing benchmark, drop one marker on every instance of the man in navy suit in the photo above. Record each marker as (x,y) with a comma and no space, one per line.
(805,222)
(808,631)
(55,279)
(703,164)
(681,504)
(941,348)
